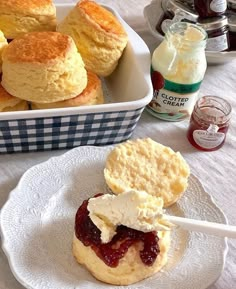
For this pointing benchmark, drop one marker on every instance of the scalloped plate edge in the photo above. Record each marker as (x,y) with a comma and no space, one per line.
(4,242)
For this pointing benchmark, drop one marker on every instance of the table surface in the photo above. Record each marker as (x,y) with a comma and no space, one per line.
(216,170)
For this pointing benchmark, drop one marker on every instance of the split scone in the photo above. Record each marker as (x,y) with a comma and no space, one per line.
(99,36)
(144,164)
(3,45)
(121,239)
(18,17)
(43,67)
(91,95)
(11,103)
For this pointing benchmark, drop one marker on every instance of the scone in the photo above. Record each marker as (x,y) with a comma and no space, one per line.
(91,95)
(19,17)
(144,164)
(130,256)
(3,45)
(11,103)
(99,36)
(43,67)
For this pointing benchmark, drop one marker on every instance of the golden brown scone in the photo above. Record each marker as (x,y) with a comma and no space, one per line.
(43,67)
(91,95)
(11,103)
(3,45)
(18,17)
(130,269)
(146,165)
(99,36)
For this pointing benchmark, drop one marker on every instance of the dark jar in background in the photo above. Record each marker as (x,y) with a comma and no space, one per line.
(217,31)
(209,123)
(210,8)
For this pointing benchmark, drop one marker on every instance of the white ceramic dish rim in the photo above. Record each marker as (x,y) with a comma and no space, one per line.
(4,245)
(139,48)
(227,56)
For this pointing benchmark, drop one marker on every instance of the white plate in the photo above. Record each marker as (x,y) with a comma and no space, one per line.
(37,227)
(152,14)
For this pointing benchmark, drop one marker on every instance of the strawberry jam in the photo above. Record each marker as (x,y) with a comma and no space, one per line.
(112,252)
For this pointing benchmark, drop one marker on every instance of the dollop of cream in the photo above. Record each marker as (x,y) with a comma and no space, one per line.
(134,209)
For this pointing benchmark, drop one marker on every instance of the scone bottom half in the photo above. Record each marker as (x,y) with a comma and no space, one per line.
(129,257)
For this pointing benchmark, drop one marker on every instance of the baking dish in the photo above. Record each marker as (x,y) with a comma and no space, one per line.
(127,91)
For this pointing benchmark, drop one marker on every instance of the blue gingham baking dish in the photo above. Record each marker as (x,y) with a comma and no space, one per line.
(127,91)
(37,134)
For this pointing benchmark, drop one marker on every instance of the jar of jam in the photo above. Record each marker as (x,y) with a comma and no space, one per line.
(218,33)
(210,8)
(174,11)
(232,32)
(209,123)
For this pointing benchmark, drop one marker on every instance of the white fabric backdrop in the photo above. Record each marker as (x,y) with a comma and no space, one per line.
(216,170)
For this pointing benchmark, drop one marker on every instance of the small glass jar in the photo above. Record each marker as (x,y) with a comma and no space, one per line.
(174,11)
(210,8)
(218,33)
(232,32)
(209,123)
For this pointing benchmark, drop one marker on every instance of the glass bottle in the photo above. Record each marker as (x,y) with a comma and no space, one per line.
(178,68)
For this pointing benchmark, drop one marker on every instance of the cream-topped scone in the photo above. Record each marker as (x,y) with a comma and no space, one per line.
(121,239)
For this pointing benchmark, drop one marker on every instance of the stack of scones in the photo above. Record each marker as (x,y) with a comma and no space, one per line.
(45,64)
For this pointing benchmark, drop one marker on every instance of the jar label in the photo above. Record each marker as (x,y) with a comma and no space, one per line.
(172,101)
(208,139)
(218,5)
(218,43)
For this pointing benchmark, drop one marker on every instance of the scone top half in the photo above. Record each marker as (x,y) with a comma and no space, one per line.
(18,17)
(43,67)
(99,36)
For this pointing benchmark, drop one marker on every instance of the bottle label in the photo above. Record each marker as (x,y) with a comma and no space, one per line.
(208,139)
(219,43)
(218,5)
(172,101)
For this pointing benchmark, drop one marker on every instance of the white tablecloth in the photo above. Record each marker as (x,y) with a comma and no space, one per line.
(216,170)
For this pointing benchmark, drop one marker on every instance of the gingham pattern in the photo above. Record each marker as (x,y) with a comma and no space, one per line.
(38,134)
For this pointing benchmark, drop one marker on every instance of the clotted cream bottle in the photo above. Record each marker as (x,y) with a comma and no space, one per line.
(177,69)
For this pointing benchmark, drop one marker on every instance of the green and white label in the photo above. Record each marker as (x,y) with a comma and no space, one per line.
(172,101)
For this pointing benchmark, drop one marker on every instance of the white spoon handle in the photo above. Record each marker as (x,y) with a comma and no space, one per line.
(210,228)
